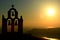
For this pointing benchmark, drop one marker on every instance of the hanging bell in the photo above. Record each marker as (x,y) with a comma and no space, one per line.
(8,22)
(12,13)
(16,22)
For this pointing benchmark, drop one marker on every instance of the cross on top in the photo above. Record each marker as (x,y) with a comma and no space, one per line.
(12,6)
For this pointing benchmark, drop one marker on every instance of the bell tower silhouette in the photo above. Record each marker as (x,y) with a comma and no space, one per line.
(12,20)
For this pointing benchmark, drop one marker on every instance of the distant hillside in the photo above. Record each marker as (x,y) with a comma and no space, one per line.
(52,32)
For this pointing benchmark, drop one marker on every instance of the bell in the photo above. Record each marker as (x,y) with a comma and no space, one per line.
(16,23)
(12,13)
(8,22)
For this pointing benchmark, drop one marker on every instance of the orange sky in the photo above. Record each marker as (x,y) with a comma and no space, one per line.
(34,12)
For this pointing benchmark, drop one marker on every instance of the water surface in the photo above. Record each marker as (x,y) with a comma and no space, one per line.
(50,38)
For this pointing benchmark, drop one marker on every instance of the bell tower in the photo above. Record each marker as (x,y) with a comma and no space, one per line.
(12,20)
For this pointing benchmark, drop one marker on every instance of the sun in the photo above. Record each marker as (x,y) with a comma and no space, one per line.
(50,12)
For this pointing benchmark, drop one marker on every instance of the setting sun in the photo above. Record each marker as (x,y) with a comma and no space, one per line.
(50,12)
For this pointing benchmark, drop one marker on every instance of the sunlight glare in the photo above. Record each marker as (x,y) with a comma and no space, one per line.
(50,38)
(50,12)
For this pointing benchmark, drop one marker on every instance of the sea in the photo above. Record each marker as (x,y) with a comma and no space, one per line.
(50,38)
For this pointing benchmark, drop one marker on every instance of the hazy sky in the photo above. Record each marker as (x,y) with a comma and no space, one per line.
(33,11)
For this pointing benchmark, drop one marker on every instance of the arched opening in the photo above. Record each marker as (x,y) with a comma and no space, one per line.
(16,25)
(9,25)
(12,14)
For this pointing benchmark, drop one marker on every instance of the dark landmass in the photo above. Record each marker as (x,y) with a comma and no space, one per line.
(17,36)
(51,32)
(34,34)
